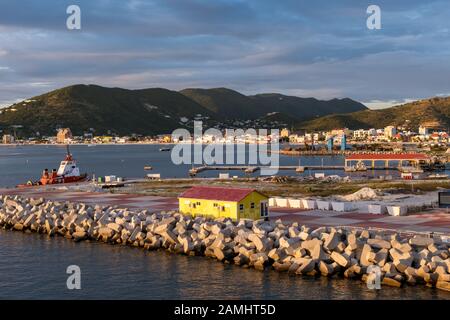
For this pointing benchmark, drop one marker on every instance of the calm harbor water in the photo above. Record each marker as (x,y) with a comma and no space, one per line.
(18,164)
(34,266)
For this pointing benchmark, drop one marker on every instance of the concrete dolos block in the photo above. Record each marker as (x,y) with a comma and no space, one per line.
(377,209)
(342,206)
(323,205)
(309,204)
(295,203)
(397,210)
(281,202)
(271,202)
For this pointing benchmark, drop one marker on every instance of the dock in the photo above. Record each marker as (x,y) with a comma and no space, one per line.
(251,169)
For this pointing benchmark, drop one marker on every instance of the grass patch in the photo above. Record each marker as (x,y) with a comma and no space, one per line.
(290,188)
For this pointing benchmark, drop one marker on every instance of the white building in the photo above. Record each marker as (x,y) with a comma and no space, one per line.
(423,131)
(372,132)
(316,136)
(360,134)
(295,138)
(390,131)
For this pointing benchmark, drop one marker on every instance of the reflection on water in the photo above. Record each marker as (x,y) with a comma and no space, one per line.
(33,266)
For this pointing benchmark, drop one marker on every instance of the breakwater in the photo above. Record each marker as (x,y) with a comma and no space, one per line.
(258,244)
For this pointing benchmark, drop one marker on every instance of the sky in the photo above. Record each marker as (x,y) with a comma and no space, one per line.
(319,48)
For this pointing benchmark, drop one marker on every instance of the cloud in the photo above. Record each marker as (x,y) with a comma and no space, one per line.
(321,48)
(378,104)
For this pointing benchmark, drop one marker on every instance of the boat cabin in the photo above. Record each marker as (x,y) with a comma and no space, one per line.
(68,167)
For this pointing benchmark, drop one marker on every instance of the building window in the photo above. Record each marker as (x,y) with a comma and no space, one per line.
(252,205)
(215,205)
(241,207)
(198,203)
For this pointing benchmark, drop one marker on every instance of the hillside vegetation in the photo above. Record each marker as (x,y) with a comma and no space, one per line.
(431,112)
(156,110)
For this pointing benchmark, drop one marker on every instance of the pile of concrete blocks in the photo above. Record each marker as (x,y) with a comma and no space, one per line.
(260,244)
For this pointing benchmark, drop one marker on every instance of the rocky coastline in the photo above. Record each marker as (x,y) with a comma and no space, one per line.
(287,247)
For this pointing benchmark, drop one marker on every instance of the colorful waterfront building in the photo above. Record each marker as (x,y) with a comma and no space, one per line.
(64,135)
(217,202)
(8,139)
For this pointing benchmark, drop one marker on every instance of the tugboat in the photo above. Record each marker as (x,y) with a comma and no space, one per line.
(68,172)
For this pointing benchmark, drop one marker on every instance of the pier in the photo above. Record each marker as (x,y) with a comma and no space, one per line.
(403,162)
(251,169)
(412,159)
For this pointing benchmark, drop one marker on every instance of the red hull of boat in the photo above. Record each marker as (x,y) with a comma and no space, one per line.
(58,181)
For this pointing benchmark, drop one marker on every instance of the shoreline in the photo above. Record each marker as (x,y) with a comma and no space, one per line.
(325,251)
(84,144)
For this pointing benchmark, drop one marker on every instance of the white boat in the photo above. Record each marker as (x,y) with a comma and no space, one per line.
(410,169)
(437,176)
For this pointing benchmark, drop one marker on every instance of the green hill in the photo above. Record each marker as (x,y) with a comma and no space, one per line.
(231,104)
(432,112)
(81,107)
(224,102)
(304,108)
(156,110)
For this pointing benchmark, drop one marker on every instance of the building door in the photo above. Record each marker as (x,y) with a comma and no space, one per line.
(264,210)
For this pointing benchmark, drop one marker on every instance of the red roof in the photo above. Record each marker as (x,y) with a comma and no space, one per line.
(388,156)
(216,193)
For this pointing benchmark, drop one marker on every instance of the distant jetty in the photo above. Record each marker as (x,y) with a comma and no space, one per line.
(258,244)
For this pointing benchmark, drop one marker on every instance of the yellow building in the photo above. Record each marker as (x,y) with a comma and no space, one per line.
(284,133)
(165,138)
(103,139)
(8,139)
(234,203)
(63,135)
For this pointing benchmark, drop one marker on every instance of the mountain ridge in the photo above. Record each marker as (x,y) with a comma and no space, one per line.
(153,110)
(259,105)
